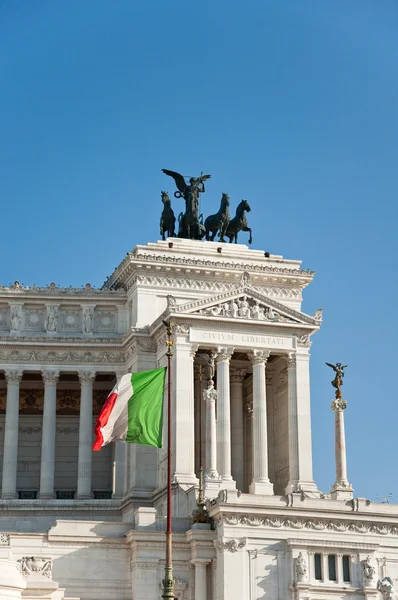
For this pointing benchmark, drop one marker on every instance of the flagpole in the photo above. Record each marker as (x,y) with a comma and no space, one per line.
(168,582)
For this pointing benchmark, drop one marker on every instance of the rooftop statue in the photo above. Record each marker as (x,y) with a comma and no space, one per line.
(167,220)
(190,226)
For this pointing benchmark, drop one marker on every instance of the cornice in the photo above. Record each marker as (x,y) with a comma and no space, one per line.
(139,258)
(19,291)
(337,524)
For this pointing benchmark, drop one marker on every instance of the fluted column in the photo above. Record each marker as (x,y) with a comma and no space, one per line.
(201,577)
(47,465)
(224,418)
(119,485)
(85,434)
(237,427)
(120,469)
(261,483)
(10,454)
(212,478)
(248,408)
(299,423)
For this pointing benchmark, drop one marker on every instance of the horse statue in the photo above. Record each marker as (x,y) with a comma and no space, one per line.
(239,223)
(167,220)
(219,221)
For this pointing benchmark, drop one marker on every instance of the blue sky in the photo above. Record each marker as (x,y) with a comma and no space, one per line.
(292,105)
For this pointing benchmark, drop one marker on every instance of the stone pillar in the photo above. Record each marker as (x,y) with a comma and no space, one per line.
(85,434)
(120,451)
(248,408)
(200,577)
(224,418)
(212,478)
(47,465)
(341,489)
(10,454)
(183,411)
(197,401)
(237,428)
(261,483)
(299,415)
(119,469)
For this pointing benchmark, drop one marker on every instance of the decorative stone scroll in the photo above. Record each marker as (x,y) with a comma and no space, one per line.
(36,565)
(230,545)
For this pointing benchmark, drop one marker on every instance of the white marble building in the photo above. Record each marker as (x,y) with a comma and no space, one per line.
(78,524)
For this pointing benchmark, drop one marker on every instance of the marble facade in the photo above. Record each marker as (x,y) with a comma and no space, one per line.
(90,525)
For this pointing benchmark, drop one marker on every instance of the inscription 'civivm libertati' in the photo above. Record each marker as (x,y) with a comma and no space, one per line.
(239,339)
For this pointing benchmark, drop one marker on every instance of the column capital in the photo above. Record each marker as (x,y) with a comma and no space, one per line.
(200,562)
(50,376)
(259,357)
(237,375)
(224,353)
(339,404)
(86,376)
(290,359)
(13,377)
(193,350)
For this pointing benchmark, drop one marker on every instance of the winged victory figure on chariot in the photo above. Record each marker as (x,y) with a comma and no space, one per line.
(191,224)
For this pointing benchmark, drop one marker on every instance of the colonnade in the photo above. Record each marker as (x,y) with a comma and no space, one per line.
(224,408)
(47,464)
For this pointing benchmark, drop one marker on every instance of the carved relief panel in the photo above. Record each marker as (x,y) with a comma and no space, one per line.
(70,319)
(4,318)
(34,318)
(105,320)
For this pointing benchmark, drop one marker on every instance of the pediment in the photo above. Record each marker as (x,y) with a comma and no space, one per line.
(245,303)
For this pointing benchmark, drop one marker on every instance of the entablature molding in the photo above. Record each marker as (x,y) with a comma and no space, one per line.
(165,260)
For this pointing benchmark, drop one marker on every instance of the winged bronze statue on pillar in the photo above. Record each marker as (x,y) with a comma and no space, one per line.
(190,222)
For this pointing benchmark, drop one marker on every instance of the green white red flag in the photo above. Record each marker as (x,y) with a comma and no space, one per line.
(133,411)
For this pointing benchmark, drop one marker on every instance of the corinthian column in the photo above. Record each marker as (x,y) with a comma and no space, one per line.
(10,454)
(47,465)
(261,483)
(224,418)
(85,434)
(212,479)
(237,427)
(341,489)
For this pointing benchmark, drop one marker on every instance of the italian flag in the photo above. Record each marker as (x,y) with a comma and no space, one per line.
(133,411)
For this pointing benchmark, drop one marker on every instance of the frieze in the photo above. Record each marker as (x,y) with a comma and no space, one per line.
(312,524)
(23,356)
(29,430)
(67,430)
(211,286)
